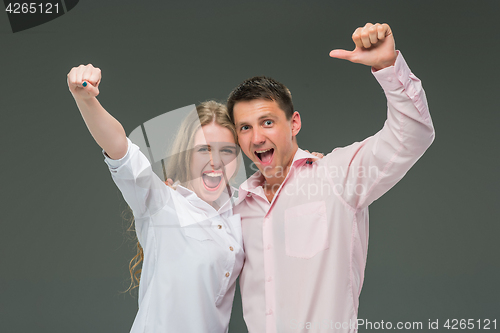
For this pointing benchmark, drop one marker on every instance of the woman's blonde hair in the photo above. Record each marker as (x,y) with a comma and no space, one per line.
(180,157)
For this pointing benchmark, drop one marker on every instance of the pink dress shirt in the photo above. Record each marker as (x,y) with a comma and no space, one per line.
(306,250)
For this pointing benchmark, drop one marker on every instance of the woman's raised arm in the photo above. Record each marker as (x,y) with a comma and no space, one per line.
(83,83)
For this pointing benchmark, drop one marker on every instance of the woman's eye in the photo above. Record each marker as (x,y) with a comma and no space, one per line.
(244,127)
(229,151)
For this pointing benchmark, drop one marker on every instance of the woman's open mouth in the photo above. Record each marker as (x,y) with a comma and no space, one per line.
(265,156)
(212,179)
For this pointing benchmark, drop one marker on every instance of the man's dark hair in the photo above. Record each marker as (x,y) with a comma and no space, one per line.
(261,87)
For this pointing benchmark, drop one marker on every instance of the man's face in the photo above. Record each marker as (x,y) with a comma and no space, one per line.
(266,136)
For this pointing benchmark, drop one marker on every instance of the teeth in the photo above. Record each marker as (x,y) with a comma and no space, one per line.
(262,151)
(214,174)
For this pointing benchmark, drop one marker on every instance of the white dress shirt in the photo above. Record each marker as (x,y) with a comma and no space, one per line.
(192,252)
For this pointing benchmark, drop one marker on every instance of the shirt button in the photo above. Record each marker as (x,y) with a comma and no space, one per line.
(227,274)
(231,248)
(269,312)
(269,279)
(219,226)
(389,79)
(268,247)
(249,195)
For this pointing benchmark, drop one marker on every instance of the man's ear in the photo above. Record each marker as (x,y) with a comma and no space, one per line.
(296,123)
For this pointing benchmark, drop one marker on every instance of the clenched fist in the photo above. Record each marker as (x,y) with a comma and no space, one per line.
(83,81)
(374,47)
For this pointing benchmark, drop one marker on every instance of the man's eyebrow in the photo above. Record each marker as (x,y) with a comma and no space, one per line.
(268,115)
(265,115)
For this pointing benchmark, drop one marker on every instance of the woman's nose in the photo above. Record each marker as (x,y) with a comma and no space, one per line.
(215,160)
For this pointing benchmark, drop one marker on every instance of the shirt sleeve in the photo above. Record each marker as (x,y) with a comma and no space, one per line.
(366,170)
(141,188)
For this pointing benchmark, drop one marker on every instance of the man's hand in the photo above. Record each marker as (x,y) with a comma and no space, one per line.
(374,47)
(83,81)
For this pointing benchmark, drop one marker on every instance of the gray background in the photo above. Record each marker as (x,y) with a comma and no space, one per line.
(433,250)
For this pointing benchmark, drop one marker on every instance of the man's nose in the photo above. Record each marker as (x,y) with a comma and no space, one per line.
(258,137)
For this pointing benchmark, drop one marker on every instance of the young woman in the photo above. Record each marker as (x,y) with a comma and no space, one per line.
(189,239)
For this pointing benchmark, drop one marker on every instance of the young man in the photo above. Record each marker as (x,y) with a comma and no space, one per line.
(305,226)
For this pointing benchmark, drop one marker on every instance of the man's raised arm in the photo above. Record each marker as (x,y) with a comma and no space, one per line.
(380,161)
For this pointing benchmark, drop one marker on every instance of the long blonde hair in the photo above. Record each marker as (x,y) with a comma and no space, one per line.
(205,113)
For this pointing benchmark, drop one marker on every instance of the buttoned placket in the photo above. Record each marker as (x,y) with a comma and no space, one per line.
(267,238)
(219,225)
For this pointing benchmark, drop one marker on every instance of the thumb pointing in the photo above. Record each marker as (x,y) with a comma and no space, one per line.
(341,54)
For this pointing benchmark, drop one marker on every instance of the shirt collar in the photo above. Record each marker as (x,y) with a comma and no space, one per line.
(257,179)
(224,201)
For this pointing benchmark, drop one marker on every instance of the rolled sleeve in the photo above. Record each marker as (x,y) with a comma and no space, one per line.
(114,164)
(141,188)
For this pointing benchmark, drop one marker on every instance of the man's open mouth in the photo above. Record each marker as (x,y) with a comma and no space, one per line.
(212,179)
(265,156)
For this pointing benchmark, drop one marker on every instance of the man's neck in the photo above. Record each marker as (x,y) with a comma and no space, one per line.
(272,184)
(270,189)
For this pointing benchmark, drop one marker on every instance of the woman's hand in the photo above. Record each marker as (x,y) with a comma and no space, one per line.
(318,157)
(170,183)
(83,81)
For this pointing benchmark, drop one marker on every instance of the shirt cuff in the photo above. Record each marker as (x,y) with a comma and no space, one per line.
(393,77)
(399,76)
(113,164)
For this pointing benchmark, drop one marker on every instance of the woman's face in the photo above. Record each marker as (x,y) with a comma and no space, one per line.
(214,154)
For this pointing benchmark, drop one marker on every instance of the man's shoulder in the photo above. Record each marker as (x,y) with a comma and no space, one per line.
(339,155)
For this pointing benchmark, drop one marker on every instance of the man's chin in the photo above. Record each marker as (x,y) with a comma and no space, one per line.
(268,171)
